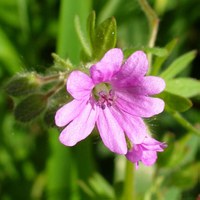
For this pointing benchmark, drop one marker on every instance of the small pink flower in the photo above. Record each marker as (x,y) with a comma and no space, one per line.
(115,97)
(146,152)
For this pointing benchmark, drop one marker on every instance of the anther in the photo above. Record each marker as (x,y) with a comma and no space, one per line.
(105,99)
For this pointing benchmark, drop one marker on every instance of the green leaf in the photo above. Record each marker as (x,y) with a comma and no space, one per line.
(49,116)
(83,40)
(86,189)
(109,9)
(185,123)
(91,24)
(8,54)
(186,177)
(100,186)
(105,38)
(181,152)
(160,60)
(175,102)
(155,51)
(67,36)
(186,87)
(6,8)
(178,65)
(30,107)
(62,64)
(191,148)
(173,193)
(22,85)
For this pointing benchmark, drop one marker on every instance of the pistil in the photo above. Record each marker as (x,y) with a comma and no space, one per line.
(105,99)
(103,95)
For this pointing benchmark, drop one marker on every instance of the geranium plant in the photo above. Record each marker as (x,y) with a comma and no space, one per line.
(112,93)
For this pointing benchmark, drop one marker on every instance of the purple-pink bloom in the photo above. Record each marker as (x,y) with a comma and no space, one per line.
(146,152)
(115,96)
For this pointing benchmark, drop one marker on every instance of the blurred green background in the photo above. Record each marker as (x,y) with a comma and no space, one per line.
(33,164)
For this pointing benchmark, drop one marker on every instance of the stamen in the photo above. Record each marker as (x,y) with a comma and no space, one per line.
(105,99)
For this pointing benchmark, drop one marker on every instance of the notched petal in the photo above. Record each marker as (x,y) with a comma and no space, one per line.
(79,85)
(109,65)
(135,65)
(153,85)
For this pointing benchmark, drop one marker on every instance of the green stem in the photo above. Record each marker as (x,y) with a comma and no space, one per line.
(47,79)
(185,123)
(128,193)
(55,89)
(153,21)
(154,32)
(65,63)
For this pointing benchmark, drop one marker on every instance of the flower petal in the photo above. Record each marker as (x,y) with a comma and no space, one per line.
(153,145)
(153,85)
(80,127)
(135,66)
(107,66)
(134,127)
(135,154)
(149,157)
(139,105)
(68,112)
(149,85)
(79,85)
(110,132)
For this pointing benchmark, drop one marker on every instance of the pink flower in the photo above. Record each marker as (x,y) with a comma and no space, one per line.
(115,97)
(146,152)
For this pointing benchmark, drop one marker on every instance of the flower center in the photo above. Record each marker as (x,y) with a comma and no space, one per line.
(103,96)
(105,99)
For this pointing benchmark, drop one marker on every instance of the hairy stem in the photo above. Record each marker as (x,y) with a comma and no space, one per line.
(46,79)
(57,88)
(185,123)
